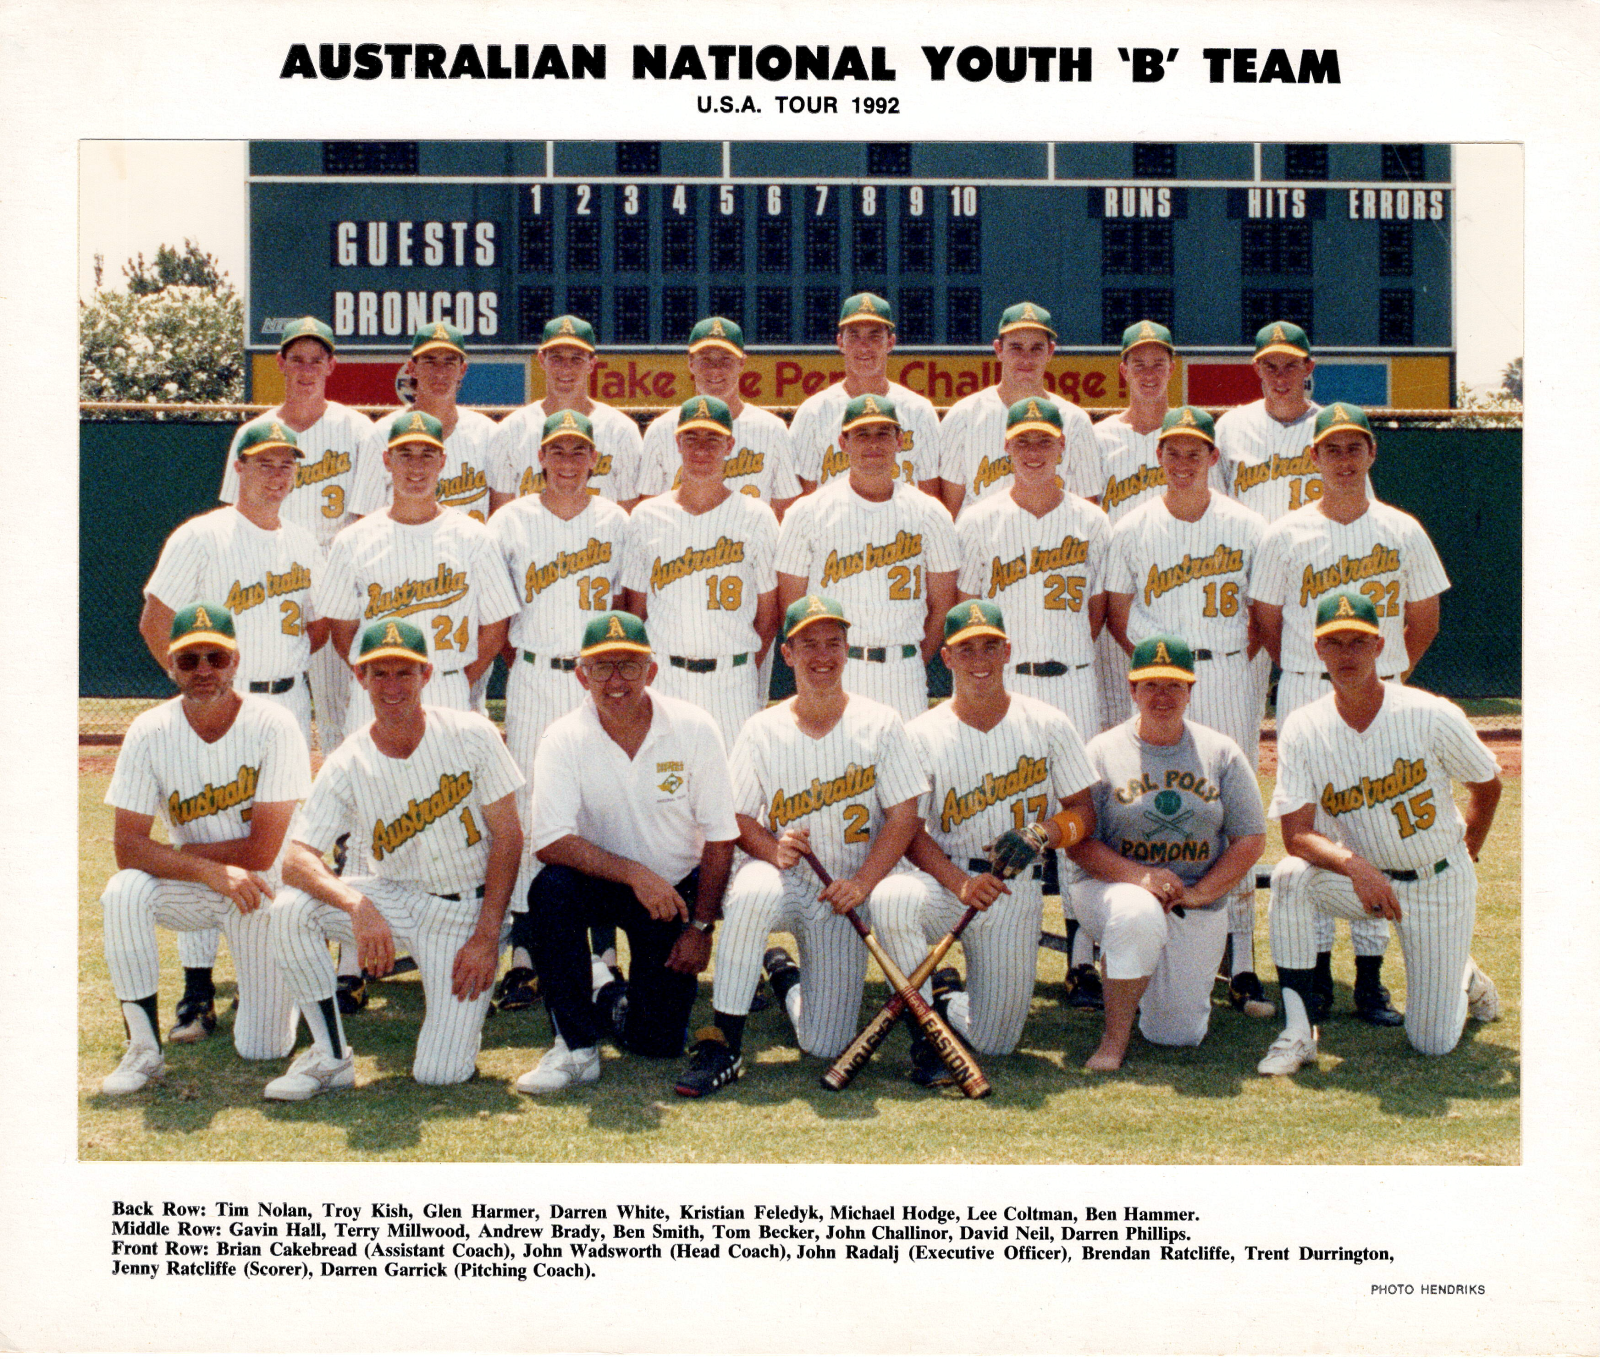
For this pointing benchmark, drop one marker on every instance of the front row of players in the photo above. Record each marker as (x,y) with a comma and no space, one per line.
(638,815)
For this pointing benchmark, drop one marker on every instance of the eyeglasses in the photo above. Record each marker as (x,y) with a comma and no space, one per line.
(190,660)
(604,670)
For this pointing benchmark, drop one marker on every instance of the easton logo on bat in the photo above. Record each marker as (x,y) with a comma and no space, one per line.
(210,800)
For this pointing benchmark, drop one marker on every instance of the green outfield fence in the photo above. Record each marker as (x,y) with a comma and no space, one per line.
(142,473)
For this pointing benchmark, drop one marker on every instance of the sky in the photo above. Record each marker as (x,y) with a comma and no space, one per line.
(136,196)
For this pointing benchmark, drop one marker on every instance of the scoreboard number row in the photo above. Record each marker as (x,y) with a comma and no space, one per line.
(869,198)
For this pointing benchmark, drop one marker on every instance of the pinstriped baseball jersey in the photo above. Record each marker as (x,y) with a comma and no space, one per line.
(1190,579)
(814,434)
(1040,570)
(1386,554)
(420,819)
(446,575)
(464,483)
(972,447)
(1265,463)
(984,783)
(872,556)
(837,787)
(1131,473)
(324,483)
(1387,789)
(701,573)
(265,577)
(561,569)
(761,464)
(203,791)
(514,455)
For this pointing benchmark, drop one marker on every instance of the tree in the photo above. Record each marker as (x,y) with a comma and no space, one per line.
(175,334)
(1511,378)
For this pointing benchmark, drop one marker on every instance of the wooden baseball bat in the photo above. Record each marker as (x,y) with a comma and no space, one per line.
(971,1080)
(867,1042)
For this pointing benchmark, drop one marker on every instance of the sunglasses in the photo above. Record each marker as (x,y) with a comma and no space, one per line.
(604,670)
(190,660)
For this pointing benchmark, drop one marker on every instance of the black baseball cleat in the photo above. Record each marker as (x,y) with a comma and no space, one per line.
(1084,989)
(782,971)
(927,1067)
(945,983)
(714,1065)
(1372,1005)
(760,998)
(1245,993)
(352,994)
(517,990)
(611,1008)
(196,1020)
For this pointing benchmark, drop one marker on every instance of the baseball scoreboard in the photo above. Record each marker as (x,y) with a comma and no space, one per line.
(643,238)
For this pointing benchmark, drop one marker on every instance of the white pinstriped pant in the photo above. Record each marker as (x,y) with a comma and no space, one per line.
(330,695)
(1001,947)
(730,693)
(536,696)
(833,960)
(1139,939)
(1435,929)
(135,903)
(1229,695)
(900,682)
(1111,674)
(1075,693)
(429,928)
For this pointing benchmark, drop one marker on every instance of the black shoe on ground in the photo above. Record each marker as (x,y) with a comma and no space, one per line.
(945,983)
(611,1008)
(1245,993)
(714,1064)
(1084,990)
(352,994)
(518,990)
(197,1020)
(782,971)
(760,998)
(927,1067)
(1374,1007)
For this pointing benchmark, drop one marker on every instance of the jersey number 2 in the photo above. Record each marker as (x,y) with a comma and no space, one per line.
(856,818)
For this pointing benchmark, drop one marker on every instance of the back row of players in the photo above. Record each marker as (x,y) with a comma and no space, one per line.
(1179,542)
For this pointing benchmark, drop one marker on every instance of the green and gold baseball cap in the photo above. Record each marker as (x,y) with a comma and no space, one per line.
(1025,316)
(567,422)
(415,427)
(1032,413)
(1282,337)
(705,412)
(1341,416)
(1188,420)
(859,307)
(1346,611)
(868,409)
(614,631)
(568,330)
(974,618)
(307,328)
(392,639)
(440,335)
(717,332)
(809,609)
(1162,657)
(259,436)
(202,624)
(1147,332)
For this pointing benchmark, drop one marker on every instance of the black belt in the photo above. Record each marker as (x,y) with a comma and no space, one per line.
(1412,874)
(1324,676)
(880,653)
(984,866)
(456,896)
(1204,655)
(700,665)
(556,662)
(1049,669)
(277,686)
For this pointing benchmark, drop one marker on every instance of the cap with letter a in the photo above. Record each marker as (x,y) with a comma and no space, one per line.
(717,332)
(392,639)
(862,307)
(1162,657)
(572,331)
(563,423)
(1188,420)
(1341,415)
(809,609)
(868,409)
(974,618)
(260,436)
(415,427)
(440,335)
(1147,332)
(1282,337)
(307,328)
(202,624)
(1346,611)
(1025,316)
(705,412)
(614,631)
(1033,413)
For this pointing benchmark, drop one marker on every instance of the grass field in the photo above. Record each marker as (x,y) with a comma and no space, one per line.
(1369,1100)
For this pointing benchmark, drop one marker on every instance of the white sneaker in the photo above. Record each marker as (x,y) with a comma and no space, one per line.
(559,1068)
(313,1072)
(1483,997)
(139,1066)
(1288,1053)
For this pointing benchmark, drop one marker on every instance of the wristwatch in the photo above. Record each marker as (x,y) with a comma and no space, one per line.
(704,926)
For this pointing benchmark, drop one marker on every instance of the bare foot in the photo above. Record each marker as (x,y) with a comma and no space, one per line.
(1104,1059)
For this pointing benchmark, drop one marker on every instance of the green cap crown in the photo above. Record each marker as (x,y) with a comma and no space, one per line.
(614,631)
(1162,657)
(973,618)
(566,422)
(261,435)
(202,624)
(1339,416)
(568,330)
(868,409)
(717,332)
(859,307)
(440,335)
(1033,413)
(705,412)
(1346,611)
(418,427)
(392,638)
(1025,316)
(307,328)
(1282,337)
(809,609)
(1147,332)
(1188,420)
